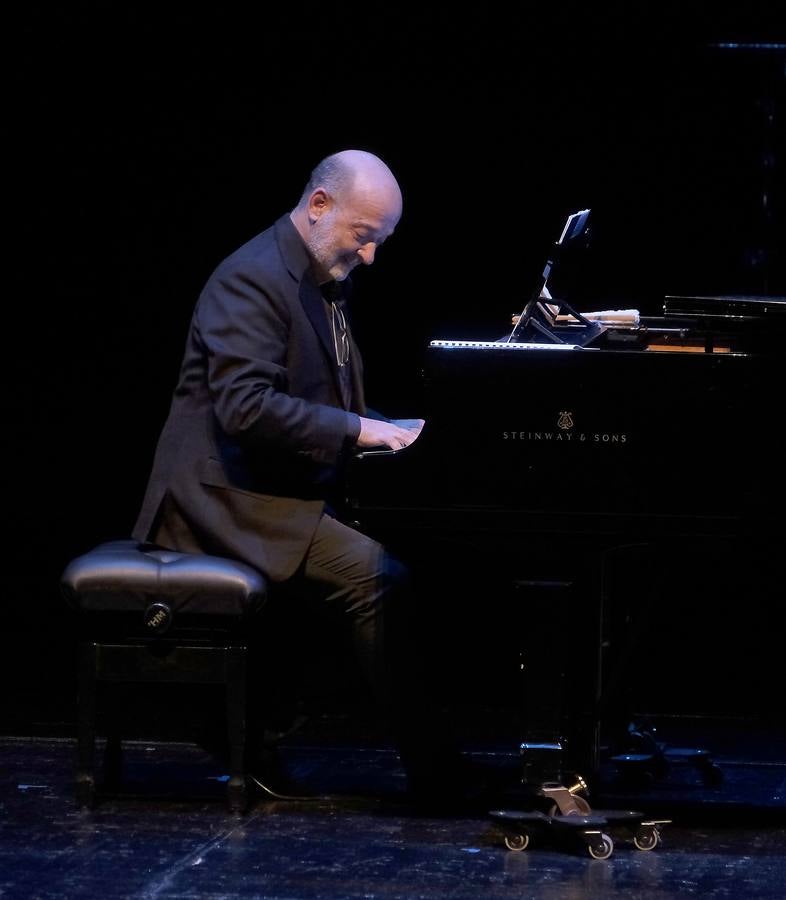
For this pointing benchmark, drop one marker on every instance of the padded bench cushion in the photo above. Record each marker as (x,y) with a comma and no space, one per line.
(126,576)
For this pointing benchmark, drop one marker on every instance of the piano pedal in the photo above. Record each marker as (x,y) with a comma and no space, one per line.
(647,760)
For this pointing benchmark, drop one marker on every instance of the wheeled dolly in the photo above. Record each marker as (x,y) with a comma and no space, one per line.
(564,811)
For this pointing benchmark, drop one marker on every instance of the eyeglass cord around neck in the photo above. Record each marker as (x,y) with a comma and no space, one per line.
(338,324)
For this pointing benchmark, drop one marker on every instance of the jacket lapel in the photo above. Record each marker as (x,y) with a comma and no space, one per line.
(314,305)
(298,262)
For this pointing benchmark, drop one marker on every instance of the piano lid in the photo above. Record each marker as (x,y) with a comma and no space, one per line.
(745,307)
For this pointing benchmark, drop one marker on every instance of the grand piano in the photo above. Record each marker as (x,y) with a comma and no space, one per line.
(575,453)
(666,425)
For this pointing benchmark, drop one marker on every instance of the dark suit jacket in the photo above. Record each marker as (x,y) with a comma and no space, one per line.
(256,434)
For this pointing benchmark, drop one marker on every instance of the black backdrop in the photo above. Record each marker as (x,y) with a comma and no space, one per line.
(145,144)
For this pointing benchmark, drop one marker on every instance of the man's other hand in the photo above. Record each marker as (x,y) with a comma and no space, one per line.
(396,435)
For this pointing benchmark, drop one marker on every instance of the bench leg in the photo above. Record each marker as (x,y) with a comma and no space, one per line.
(236,724)
(86,705)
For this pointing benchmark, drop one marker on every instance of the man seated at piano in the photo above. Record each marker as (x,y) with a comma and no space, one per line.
(268,411)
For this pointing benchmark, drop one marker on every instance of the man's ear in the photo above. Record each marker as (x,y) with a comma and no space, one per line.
(318,203)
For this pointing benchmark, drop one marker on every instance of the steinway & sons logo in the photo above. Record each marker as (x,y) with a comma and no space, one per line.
(564,432)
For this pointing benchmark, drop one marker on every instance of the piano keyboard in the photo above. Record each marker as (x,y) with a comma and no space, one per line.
(497,345)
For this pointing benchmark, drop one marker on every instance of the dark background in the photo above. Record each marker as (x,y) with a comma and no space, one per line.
(146,144)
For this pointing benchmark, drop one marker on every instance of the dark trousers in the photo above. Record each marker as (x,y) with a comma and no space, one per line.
(356,577)
(361,584)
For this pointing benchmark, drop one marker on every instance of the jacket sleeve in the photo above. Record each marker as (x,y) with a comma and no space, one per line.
(246,330)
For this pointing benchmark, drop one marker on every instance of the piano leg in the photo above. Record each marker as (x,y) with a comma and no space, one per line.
(560,671)
(636,753)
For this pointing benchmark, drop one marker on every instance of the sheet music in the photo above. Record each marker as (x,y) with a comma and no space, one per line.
(537,306)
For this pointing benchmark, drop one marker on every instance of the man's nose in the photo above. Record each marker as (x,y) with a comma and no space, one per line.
(366,253)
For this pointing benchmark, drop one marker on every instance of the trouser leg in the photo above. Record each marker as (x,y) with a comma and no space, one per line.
(354,575)
(352,579)
(376,593)
(358,579)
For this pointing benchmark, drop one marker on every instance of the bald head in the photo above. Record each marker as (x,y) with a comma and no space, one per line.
(351,171)
(351,204)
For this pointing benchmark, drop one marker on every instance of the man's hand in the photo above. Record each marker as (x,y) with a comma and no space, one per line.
(374,433)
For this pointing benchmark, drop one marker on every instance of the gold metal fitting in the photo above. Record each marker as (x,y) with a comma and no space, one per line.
(580,785)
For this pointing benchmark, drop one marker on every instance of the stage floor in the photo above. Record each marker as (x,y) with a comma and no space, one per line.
(171,837)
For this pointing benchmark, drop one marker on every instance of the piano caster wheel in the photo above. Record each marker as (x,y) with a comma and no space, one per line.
(85,791)
(582,808)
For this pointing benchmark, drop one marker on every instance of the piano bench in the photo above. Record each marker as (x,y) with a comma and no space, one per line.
(149,615)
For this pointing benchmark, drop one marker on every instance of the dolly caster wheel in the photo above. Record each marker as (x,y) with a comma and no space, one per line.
(517,842)
(601,847)
(646,838)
